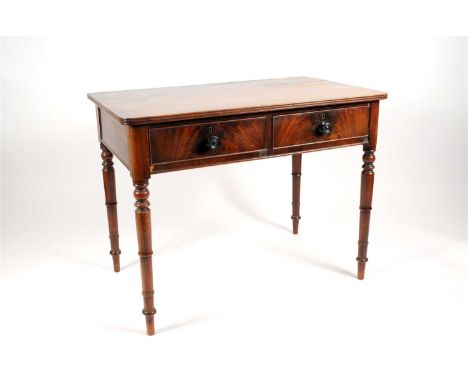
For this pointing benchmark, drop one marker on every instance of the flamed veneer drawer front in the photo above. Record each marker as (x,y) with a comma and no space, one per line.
(320,126)
(204,140)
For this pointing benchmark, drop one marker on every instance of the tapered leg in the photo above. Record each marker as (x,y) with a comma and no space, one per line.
(145,251)
(367,185)
(108,175)
(296,191)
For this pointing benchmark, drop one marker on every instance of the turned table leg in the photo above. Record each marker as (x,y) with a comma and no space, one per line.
(145,251)
(367,185)
(108,175)
(296,190)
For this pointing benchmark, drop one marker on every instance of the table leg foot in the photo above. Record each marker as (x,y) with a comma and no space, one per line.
(150,325)
(116,260)
(361,269)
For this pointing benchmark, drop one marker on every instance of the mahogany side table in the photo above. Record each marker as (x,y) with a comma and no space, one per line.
(159,130)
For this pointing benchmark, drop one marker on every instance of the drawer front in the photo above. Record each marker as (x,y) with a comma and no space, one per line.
(320,126)
(204,140)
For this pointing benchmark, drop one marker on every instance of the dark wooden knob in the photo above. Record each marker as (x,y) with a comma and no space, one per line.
(324,128)
(213,142)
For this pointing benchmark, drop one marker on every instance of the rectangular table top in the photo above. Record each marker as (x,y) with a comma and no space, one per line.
(137,107)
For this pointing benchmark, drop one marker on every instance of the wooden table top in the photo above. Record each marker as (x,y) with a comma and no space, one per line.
(137,107)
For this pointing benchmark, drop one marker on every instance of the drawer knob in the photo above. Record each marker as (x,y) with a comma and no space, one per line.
(213,142)
(324,128)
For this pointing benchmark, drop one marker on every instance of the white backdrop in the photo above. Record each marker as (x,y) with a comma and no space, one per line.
(234,286)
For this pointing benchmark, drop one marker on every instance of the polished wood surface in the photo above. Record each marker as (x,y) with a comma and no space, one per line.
(171,144)
(114,134)
(145,106)
(159,130)
(182,145)
(299,129)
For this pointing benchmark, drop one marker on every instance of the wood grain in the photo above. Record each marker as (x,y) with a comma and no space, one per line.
(139,153)
(263,154)
(180,143)
(115,136)
(136,107)
(299,129)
